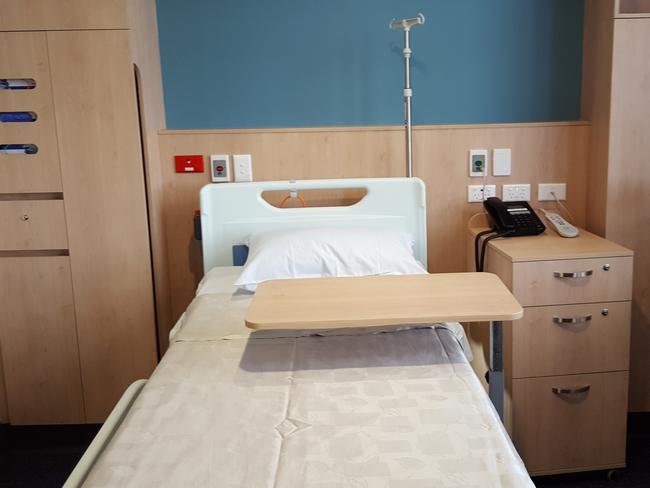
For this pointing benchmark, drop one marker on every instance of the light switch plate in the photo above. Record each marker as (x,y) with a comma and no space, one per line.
(502,162)
(243,167)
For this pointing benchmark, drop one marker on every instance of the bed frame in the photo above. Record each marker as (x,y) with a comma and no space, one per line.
(233,211)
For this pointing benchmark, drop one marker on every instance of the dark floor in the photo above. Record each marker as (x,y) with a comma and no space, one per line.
(41,456)
(44,456)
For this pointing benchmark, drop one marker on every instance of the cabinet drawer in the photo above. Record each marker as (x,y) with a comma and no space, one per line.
(573,281)
(32,224)
(571,339)
(559,431)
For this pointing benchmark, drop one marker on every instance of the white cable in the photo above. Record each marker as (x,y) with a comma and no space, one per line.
(563,207)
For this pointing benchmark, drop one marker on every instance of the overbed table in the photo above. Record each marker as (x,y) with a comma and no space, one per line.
(328,303)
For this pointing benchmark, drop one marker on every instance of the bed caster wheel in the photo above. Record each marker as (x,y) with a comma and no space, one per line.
(612,474)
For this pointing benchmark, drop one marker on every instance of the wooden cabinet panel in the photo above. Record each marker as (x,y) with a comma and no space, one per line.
(32,224)
(62,14)
(556,432)
(534,283)
(24,55)
(4,414)
(103,181)
(629,176)
(541,347)
(39,341)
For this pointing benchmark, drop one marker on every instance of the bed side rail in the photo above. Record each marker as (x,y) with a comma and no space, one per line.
(103,437)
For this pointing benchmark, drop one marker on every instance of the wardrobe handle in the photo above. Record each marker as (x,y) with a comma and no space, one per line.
(571,391)
(572,320)
(17,84)
(574,274)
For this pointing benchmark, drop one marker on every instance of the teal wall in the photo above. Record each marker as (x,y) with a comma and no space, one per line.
(293,63)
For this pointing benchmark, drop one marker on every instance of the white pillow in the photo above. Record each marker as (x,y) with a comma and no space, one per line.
(315,253)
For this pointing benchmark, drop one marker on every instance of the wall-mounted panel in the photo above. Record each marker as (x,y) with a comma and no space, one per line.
(316,63)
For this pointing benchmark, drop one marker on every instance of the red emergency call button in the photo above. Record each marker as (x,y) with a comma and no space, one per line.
(219,168)
(189,164)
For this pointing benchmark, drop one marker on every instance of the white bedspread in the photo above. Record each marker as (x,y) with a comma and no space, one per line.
(228,407)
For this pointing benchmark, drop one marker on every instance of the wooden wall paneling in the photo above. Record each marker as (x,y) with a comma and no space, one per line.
(629,180)
(4,412)
(24,55)
(146,56)
(278,154)
(103,184)
(544,153)
(596,88)
(553,152)
(40,352)
(32,224)
(28,15)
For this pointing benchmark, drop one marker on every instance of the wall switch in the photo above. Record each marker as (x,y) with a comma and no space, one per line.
(502,162)
(220,168)
(243,167)
(544,191)
(478,162)
(478,193)
(516,193)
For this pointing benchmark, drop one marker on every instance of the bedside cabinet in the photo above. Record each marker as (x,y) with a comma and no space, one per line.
(567,360)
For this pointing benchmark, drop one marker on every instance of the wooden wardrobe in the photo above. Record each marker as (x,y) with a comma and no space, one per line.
(616,98)
(76,287)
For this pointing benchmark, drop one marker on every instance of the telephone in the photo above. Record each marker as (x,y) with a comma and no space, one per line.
(513,218)
(508,219)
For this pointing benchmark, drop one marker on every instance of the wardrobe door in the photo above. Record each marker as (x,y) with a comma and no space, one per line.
(39,341)
(105,206)
(23,55)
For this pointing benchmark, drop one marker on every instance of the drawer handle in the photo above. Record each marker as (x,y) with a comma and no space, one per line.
(572,320)
(574,274)
(571,391)
(24,217)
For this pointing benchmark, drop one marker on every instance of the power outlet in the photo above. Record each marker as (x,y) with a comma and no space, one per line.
(242,167)
(516,193)
(545,191)
(478,193)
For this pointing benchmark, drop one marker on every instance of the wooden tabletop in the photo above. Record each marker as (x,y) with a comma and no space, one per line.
(326,303)
(550,245)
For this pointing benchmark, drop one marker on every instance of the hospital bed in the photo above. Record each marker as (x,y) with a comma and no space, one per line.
(396,407)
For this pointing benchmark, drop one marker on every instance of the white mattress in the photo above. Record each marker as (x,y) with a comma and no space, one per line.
(229,407)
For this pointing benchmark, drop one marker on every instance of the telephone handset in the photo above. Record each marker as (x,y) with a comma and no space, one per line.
(513,218)
(508,219)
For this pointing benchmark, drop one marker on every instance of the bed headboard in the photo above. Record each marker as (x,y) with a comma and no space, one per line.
(230,212)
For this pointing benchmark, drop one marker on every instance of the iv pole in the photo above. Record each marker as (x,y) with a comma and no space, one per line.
(408,93)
